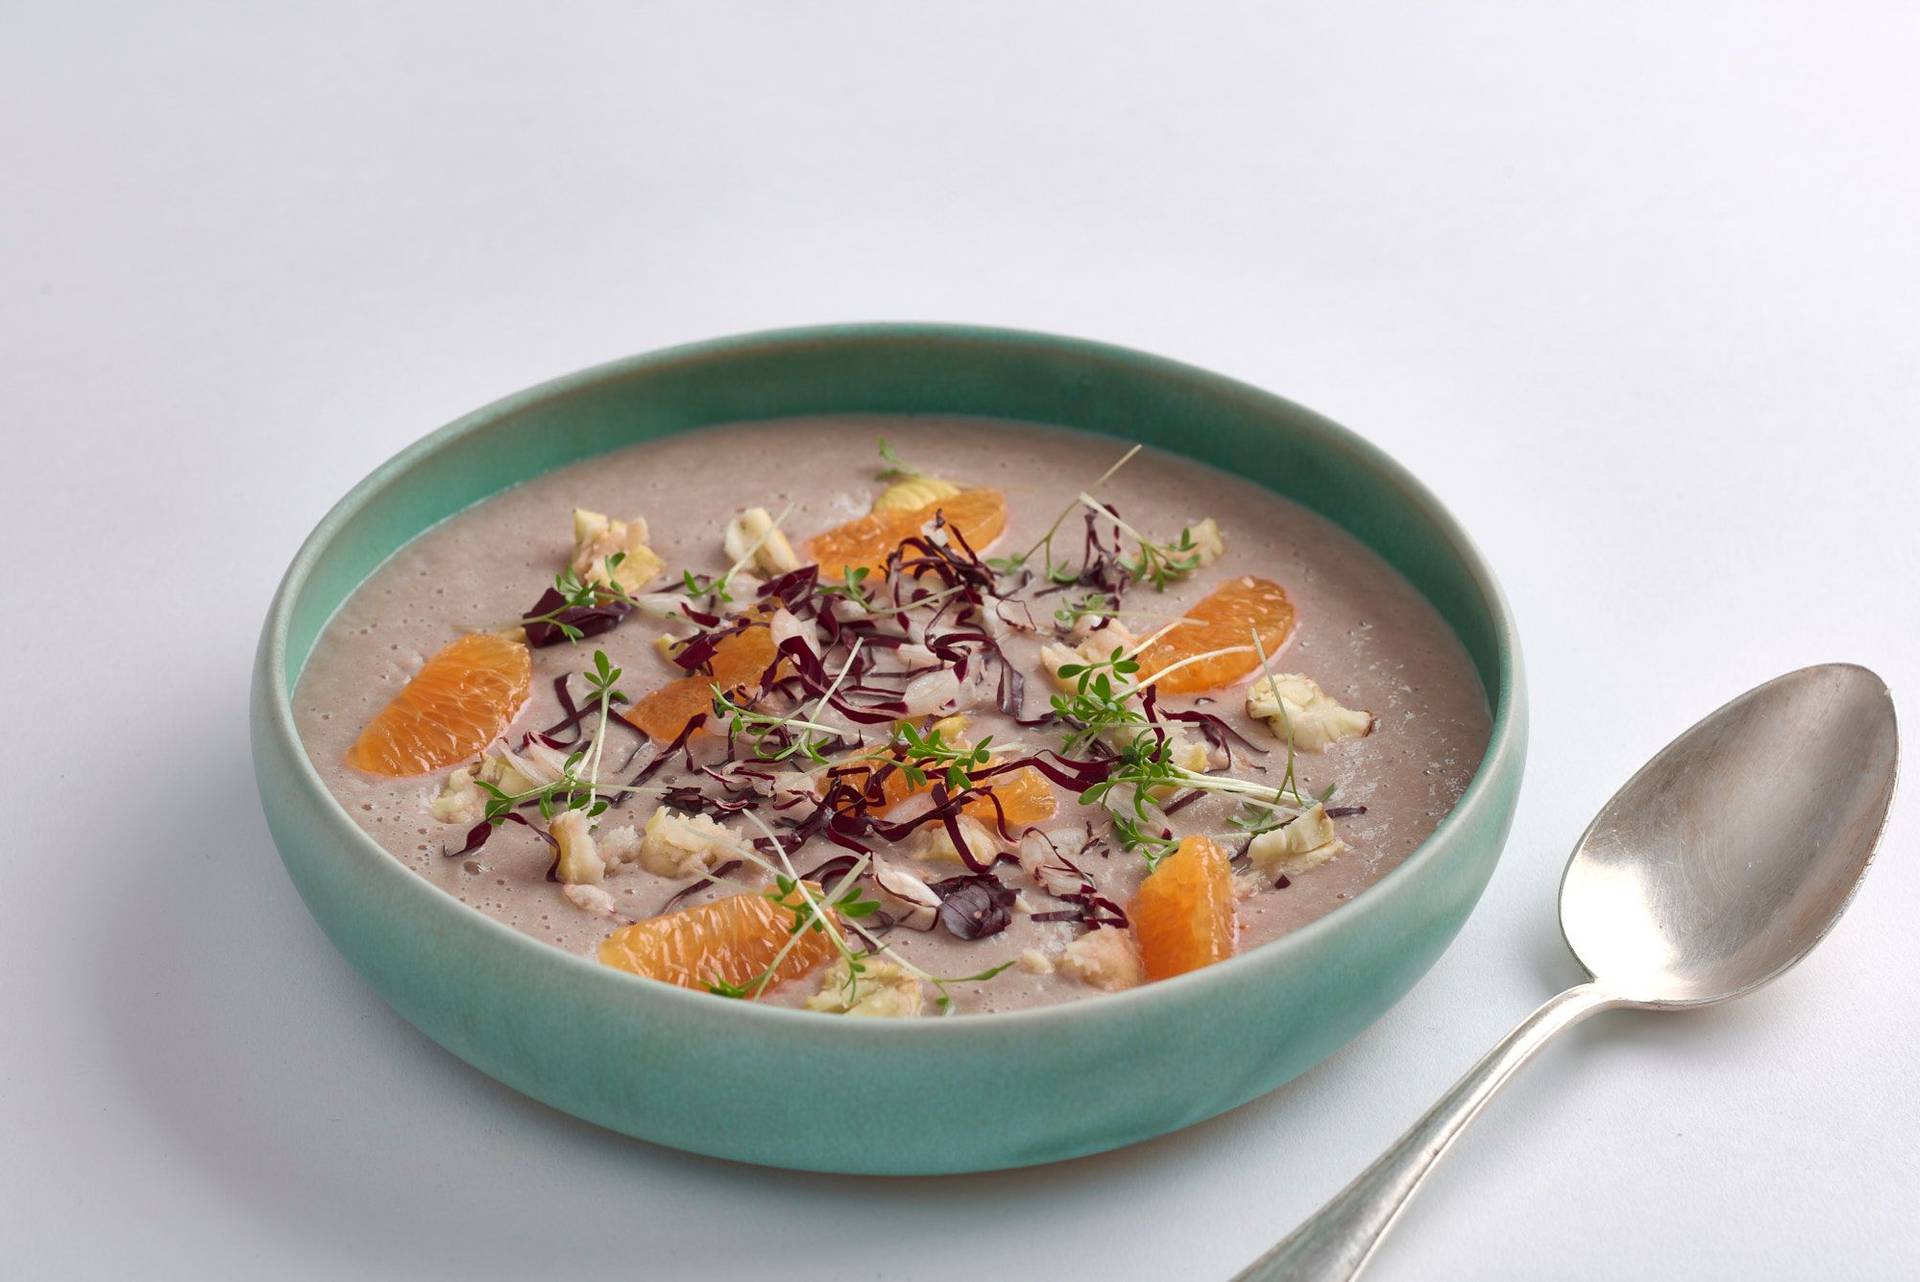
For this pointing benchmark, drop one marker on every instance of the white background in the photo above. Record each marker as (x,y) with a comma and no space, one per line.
(1632,285)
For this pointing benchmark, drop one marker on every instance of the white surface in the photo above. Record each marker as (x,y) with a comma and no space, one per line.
(1633,286)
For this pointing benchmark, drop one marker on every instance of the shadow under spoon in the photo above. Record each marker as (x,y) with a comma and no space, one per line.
(1716,868)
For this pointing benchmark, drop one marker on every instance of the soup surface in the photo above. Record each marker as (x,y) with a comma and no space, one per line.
(957,767)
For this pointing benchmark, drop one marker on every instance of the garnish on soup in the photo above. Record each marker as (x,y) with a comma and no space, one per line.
(870,763)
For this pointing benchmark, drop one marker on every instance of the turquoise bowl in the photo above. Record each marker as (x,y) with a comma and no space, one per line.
(969,1093)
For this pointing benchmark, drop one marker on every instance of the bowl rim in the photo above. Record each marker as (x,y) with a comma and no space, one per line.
(274,702)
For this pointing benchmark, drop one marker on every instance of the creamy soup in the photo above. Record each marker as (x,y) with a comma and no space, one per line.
(945,763)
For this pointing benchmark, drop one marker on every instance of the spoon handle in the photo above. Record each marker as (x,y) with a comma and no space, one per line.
(1336,1242)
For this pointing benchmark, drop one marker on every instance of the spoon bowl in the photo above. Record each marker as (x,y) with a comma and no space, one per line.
(1731,853)
(1718,866)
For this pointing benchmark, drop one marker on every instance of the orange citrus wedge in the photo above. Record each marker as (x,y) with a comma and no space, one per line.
(1227,616)
(731,940)
(1025,798)
(738,660)
(979,516)
(462,700)
(1182,914)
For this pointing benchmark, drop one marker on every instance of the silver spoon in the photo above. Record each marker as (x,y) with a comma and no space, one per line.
(1715,869)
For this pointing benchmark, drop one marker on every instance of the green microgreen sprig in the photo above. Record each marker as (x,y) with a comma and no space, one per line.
(1154,563)
(895,468)
(1052,571)
(577,593)
(929,752)
(577,788)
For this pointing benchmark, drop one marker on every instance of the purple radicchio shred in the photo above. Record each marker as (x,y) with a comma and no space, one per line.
(1342,812)
(830,871)
(696,654)
(1181,802)
(661,758)
(590,620)
(1213,729)
(723,871)
(689,798)
(950,820)
(478,834)
(793,588)
(1075,776)
(575,720)
(1282,882)
(1090,908)
(974,906)
(476,838)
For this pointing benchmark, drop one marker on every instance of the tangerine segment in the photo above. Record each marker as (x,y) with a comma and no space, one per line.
(979,516)
(462,700)
(1182,914)
(738,660)
(731,940)
(1227,616)
(1025,798)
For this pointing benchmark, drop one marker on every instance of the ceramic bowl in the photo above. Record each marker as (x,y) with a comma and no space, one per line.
(794,1089)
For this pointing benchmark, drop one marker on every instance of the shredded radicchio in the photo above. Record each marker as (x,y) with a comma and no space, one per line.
(586,620)
(719,874)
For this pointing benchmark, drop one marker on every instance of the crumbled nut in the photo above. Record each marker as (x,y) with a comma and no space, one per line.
(1097,636)
(1090,646)
(1053,657)
(580,862)
(1106,958)
(677,845)
(1298,845)
(1035,962)
(1287,701)
(619,847)
(1190,752)
(752,539)
(596,537)
(510,774)
(911,493)
(884,990)
(954,728)
(461,800)
(938,842)
(589,899)
(1207,543)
